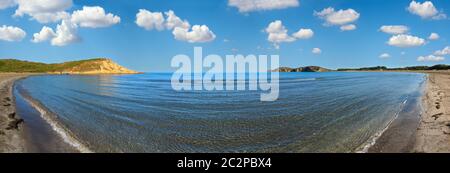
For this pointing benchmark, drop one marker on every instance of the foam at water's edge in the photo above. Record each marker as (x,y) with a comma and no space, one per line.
(62,132)
(372,141)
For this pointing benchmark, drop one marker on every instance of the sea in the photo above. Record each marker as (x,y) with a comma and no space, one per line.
(315,112)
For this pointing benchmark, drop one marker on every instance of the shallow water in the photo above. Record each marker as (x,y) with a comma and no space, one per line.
(315,112)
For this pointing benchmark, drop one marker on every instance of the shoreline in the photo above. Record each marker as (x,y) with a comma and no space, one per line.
(23,128)
(399,135)
(430,131)
(47,124)
(12,135)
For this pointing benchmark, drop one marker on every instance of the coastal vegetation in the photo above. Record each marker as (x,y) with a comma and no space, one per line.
(411,68)
(375,68)
(89,66)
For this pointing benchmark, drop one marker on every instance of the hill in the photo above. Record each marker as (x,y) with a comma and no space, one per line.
(89,66)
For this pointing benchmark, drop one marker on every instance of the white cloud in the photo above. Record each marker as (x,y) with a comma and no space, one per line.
(277,33)
(303,34)
(403,40)
(45,34)
(7,3)
(150,20)
(156,20)
(174,21)
(443,52)
(433,36)
(66,33)
(425,10)
(431,58)
(340,17)
(94,17)
(181,29)
(44,11)
(316,51)
(394,29)
(196,34)
(384,56)
(257,5)
(11,33)
(348,27)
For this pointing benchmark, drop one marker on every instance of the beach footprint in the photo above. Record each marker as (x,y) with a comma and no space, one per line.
(436,116)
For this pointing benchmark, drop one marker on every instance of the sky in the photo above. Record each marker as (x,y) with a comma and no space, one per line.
(144,35)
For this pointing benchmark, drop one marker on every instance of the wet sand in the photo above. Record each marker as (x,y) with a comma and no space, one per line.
(22,130)
(427,132)
(433,133)
(11,125)
(401,134)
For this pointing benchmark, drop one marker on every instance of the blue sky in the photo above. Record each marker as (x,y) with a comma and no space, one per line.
(237,30)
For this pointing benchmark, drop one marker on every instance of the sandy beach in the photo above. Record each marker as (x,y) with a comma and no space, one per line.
(433,133)
(11,131)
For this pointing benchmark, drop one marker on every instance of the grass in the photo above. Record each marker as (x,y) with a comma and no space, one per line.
(18,66)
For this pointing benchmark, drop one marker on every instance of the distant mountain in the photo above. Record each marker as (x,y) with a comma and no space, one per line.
(383,68)
(89,66)
(302,69)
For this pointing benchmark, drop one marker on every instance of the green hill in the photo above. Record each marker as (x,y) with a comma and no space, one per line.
(89,66)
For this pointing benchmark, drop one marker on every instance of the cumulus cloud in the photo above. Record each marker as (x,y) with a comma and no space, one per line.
(150,20)
(45,34)
(303,34)
(174,21)
(11,33)
(43,11)
(431,58)
(425,10)
(277,33)
(257,5)
(348,27)
(394,29)
(94,17)
(66,33)
(340,17)
(443,52)
(316,51)
(433,36)
(198,33)
(403,40)
(384,56)
(7,3)
(181,29)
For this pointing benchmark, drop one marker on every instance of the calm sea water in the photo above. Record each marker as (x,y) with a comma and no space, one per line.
(315,112)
